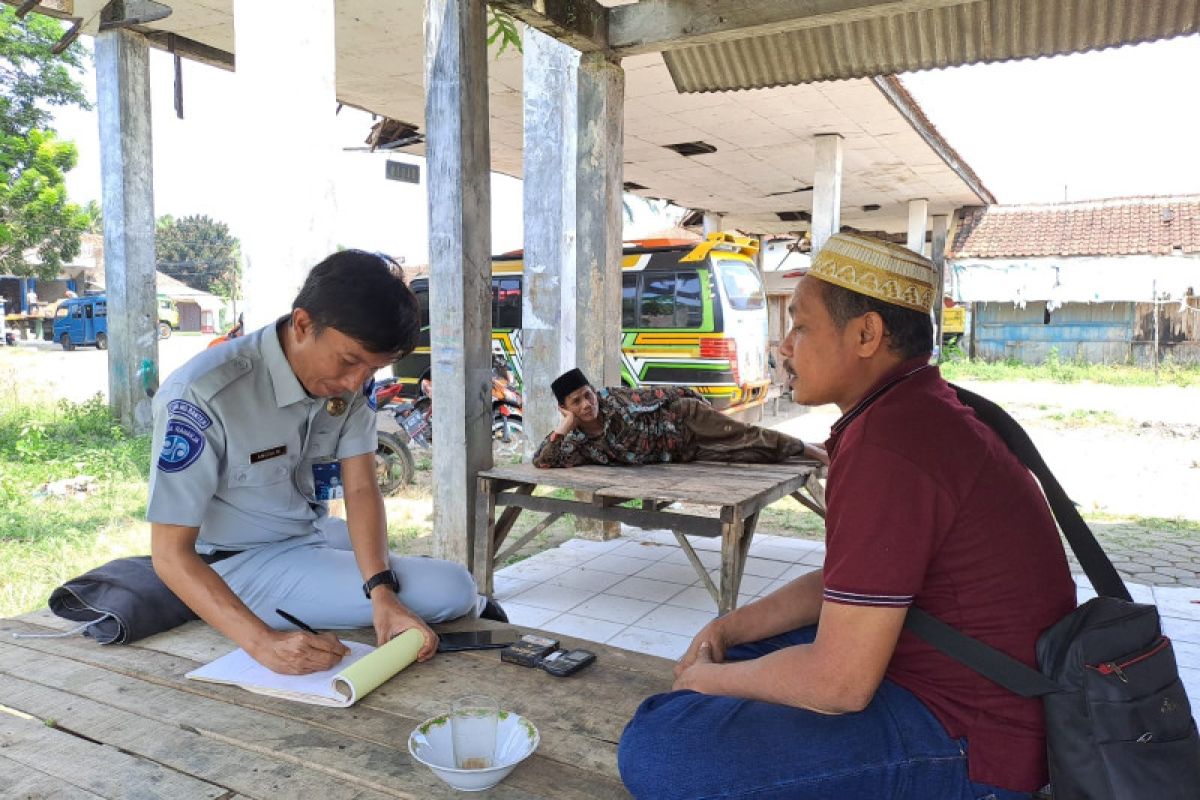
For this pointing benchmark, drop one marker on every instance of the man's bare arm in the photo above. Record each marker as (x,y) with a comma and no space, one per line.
(172,548)
(838,673)
(792,606)
(366,519)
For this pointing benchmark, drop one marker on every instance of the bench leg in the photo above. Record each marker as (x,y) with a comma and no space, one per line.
(491,532)
(736,536)
(485,525)
(690,551)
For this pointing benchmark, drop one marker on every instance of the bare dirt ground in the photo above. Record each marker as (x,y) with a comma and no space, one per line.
(1120,450)
(44,371)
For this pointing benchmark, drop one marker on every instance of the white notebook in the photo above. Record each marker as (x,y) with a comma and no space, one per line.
(357,675)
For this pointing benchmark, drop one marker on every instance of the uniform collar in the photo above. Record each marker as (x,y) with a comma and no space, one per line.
(288,389)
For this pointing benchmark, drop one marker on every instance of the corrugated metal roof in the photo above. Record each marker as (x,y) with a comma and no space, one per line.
(965,33)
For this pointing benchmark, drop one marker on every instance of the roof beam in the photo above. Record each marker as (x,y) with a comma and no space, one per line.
(582,24)
(903,102)
(656,25)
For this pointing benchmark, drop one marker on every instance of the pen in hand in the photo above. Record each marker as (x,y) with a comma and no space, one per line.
(304,626)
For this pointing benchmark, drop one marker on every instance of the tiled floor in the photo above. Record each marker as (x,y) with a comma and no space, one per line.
(640,592)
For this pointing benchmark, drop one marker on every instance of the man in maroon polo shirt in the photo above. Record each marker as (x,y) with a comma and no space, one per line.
(816,691)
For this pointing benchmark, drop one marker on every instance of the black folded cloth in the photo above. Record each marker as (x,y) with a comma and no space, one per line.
(120,602)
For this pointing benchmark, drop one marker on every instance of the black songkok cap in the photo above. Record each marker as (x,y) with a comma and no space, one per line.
(568,382)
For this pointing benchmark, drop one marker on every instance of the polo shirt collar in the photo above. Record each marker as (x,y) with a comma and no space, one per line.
(900,373)
(287,386)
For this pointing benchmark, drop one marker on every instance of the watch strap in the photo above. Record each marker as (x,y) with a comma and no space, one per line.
(387,577)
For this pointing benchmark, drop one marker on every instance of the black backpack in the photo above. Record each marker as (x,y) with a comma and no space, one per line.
(1118,723)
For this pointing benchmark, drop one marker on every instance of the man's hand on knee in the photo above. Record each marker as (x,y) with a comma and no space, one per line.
(299,653)
(712,640)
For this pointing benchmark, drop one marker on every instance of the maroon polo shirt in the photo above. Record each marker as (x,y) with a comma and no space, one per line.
(926,505)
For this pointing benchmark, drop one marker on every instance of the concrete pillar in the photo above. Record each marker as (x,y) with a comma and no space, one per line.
(827,189)
(287,187)
(918,214)
(127,186)
(941,223)
(460,275)
(548,319)
(712,222)
(599,175)
(599,171)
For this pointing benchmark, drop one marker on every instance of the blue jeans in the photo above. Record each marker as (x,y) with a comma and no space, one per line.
(690,745)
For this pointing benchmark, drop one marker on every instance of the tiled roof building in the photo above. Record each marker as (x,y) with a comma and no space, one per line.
(1113,227)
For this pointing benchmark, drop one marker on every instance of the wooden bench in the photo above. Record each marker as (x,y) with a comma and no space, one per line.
(728,497)
(80,720)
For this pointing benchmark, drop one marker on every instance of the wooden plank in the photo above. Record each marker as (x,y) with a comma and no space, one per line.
(256,755)
(483,541)
(662,25)
(583,24)
(299,758)
(546,522)
(76,766)
(580,719)
(18,780)
(595,476)
(700,483)
(686,523)
(699,567)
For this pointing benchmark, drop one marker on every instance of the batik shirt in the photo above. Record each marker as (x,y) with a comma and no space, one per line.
(639,428)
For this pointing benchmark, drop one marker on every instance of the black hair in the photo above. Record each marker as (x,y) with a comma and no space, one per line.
(910,333)
(362,295)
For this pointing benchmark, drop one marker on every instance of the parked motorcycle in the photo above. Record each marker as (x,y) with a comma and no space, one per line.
(508,430)
(393,457)
(394,465)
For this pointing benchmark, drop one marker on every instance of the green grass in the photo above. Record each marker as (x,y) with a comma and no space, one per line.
(45,540)
(787,517)
(1175,527)
(1056,370)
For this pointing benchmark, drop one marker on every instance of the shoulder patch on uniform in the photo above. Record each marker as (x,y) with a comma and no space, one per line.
(189,411)
(182,445)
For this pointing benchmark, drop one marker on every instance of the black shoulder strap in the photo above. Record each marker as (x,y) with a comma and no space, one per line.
(1100,571)
(984,659)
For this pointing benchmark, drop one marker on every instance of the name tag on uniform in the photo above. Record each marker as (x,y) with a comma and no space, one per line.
(327,480)
(263,455)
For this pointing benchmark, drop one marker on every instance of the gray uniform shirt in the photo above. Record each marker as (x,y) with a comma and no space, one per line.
(239,439)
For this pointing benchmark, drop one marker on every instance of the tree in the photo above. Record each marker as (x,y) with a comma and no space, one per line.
(35,216)
(95,216)
(200,252)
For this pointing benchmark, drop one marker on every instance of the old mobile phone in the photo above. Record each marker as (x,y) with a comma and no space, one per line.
(562,663)
(528,652)
(455,641)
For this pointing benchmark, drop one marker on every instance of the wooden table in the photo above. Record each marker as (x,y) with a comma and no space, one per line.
(728,497)
(80,720)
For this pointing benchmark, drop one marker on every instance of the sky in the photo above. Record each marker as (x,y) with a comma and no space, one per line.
(1113,123)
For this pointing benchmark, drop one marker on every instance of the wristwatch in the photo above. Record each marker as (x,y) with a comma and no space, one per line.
(379,579)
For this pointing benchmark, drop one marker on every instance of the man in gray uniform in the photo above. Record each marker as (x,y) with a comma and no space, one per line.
(256,436)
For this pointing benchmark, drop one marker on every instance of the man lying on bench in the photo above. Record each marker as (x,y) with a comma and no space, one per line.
(653,425)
